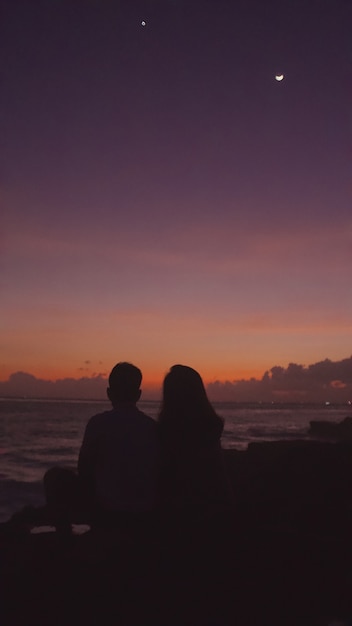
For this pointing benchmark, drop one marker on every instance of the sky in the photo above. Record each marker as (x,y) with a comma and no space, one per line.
(163,198)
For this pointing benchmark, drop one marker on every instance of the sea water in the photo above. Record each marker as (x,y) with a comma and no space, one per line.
(38,434)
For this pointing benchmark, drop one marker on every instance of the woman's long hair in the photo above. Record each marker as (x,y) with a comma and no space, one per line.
(186,410)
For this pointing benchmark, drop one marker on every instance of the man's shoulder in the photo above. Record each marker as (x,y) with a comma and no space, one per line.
(100,419)
(147,418)
(114,415)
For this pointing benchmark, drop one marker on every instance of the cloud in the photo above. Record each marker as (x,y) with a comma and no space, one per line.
(325,381)
(22,384)
(320,382)
(224,246)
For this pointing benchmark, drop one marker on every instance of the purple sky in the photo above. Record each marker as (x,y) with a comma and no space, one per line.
(164,199)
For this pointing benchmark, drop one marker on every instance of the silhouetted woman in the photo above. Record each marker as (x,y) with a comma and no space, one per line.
(195,499)
(193,480)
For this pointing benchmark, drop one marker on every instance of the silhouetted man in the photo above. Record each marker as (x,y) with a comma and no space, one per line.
(118,459)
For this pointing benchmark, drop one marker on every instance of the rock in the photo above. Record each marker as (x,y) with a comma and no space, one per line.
(300,485)
(286,559)
(335,431)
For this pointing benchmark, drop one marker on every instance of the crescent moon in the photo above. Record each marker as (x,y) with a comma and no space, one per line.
(279,77)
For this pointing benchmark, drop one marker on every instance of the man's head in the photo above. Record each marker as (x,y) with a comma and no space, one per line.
(124,383)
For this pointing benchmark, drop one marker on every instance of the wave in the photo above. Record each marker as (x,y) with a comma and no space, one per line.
(240,436)
(264,433)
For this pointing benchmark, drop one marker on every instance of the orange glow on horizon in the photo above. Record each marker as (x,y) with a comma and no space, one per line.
(152,378)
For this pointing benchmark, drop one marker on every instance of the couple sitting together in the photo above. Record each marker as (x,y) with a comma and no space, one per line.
(131,467)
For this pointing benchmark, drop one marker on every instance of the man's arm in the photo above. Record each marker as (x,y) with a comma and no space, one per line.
(87,462)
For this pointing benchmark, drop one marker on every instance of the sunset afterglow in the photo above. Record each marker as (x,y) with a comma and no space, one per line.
(164,200)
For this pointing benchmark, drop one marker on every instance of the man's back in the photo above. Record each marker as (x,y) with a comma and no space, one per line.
(119,459)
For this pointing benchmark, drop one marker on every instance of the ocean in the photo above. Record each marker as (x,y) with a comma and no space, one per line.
(38,434)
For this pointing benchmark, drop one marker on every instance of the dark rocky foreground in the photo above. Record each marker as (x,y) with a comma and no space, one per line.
(283,557)
(332,431)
